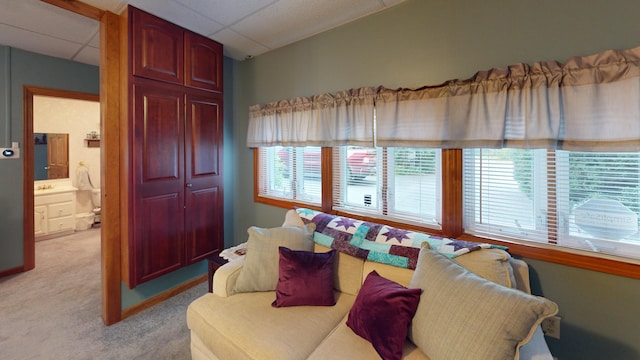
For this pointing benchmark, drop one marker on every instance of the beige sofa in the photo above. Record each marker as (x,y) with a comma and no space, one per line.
(227,324)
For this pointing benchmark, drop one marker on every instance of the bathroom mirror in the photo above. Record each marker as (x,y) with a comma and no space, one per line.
(51,156)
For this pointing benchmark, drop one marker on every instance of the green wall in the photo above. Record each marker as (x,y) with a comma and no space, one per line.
(426,43)
(17,69)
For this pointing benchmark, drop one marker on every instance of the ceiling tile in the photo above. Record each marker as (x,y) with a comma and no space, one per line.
(238,47)
(95,40)
(46,19)
(179,14)
(38,43)
(224,11)
(273,25)
(88,55)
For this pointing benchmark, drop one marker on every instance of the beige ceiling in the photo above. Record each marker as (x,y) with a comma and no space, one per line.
(245,27)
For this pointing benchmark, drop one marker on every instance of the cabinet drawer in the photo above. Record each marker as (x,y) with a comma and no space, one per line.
(53,198)
(61,224)
(60,210)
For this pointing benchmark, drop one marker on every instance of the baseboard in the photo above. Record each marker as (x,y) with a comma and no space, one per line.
(130,311)
(14,270)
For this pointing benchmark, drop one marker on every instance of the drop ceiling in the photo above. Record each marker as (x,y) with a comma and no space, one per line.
(246,28)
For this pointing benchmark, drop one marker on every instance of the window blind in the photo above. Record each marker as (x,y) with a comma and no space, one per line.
(291,173)
(402,184)
(582,200)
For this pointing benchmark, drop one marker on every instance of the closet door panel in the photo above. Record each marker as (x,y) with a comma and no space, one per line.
(157,47)
(158,179)
(203,62)
(204,203)
(159,238)
(204,223)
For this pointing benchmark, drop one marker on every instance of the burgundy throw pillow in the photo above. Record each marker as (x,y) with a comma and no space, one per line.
(305,278)
(382,312)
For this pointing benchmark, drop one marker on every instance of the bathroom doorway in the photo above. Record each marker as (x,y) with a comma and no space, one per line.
(56,115)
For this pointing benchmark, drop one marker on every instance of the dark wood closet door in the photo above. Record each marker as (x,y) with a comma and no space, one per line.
(158,47)
(204,201)
(203,62)
(158,179)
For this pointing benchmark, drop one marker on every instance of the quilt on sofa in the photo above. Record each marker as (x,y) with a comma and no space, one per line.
(381,243)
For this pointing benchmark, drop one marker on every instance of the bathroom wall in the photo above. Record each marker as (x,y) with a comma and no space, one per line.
(76,118)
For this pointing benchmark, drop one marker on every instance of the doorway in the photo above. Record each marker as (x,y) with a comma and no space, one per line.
(75,154)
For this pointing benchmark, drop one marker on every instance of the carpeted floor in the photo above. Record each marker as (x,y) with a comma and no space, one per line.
(53,311)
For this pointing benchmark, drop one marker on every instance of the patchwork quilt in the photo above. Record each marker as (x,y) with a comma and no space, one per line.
(381,243)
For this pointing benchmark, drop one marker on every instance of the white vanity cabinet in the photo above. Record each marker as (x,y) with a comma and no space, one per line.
(54,213)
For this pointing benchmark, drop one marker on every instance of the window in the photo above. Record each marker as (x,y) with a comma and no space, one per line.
(290,173)
(394,183)
(582,200)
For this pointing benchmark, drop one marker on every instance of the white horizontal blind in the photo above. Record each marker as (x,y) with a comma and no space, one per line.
(600,201)
(356,187)
(290,173)
(402,184)
(505,193)
(582,200)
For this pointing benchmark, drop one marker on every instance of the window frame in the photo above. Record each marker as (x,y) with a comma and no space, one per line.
(452,220)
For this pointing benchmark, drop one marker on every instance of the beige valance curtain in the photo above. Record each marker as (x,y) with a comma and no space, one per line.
(587,103)
(344,118)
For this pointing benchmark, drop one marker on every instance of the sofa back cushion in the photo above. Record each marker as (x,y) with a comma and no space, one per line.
(347,271)
(260,270)
(397,274)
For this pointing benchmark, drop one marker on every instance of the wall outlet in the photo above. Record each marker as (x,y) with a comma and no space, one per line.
(551,327)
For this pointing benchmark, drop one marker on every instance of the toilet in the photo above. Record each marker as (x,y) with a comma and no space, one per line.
(85,221)
(96,198)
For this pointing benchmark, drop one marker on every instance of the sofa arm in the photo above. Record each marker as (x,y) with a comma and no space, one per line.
(224,279)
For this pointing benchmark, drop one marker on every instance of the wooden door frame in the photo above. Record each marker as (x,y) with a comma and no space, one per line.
(112,100)
(29,250)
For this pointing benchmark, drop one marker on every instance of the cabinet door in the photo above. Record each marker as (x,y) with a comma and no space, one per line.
(157,47)
(204,198)
(158,180)
(203,62)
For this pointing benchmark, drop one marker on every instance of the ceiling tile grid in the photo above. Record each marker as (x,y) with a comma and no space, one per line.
(246,28)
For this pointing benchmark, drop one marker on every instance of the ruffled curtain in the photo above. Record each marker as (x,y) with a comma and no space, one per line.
(344,118)
(587,103)
(601,101)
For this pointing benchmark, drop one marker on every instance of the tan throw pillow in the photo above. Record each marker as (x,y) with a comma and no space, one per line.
(464,316)
(260,269)
(491,264)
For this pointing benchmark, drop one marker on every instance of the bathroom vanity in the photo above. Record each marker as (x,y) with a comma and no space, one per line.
(54,208)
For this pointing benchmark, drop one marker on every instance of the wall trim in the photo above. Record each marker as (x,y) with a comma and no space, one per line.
(155,300)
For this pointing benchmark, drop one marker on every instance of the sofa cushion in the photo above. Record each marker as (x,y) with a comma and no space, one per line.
(400,275)
(305,278)
(381,314)
(260,270)
(347,271)
(342,343)
(246,326)
(463,316)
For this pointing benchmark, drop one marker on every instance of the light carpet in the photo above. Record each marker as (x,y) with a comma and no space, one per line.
(54,311)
